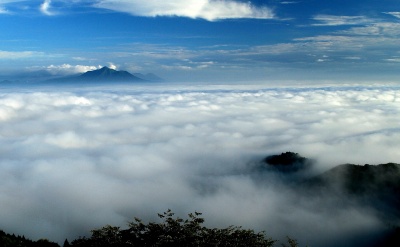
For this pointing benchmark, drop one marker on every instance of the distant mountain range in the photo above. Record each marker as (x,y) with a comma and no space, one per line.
(106,74)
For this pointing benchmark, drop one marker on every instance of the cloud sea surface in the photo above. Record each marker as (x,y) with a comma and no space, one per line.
(77,159)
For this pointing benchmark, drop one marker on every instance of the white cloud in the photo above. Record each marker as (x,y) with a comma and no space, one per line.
(76,160)
(206,9)
(177,67)
(395,14)
(112,66)
(45,7)
(395,59)
(353,58)
(289,2)
(80,58)
(19,54)
(334,20)
(333,44)
(67,69)
(189,66)
(385,29)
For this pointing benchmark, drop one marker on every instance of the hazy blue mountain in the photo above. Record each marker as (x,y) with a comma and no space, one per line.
(107,74)
(104,74)
(26,77)
(149,77)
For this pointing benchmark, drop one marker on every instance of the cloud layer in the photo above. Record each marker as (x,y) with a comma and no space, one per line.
(206,9)
(75,160)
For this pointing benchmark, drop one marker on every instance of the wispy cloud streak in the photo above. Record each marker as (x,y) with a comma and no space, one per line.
(19,54)
(334,20)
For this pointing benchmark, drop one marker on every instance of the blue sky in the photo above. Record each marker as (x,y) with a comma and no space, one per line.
(194,40)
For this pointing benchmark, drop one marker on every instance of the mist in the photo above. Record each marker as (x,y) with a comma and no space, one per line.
(77,159)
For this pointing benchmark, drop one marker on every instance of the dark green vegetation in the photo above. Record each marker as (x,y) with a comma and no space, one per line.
(169,232)
(173,232)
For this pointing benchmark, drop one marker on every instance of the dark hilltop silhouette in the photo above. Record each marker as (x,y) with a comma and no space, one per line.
(377,186)
(287,162)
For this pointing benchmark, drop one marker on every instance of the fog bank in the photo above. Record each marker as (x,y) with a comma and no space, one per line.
(72,160)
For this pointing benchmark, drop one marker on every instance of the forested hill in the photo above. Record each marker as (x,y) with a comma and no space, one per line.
(11,240)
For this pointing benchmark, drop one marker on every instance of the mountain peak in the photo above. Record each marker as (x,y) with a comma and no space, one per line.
(108,74)
(105,68)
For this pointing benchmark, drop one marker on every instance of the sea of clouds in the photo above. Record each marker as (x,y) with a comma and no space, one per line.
(72,160)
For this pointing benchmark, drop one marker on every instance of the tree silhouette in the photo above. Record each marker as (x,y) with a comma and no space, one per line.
(174,232)
(66,243)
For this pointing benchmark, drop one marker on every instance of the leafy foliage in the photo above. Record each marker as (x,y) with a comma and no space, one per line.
(292,243)
(174,232)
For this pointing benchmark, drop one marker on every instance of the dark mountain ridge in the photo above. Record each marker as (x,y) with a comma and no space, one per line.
(361,179)
(365,188)
(373,186)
